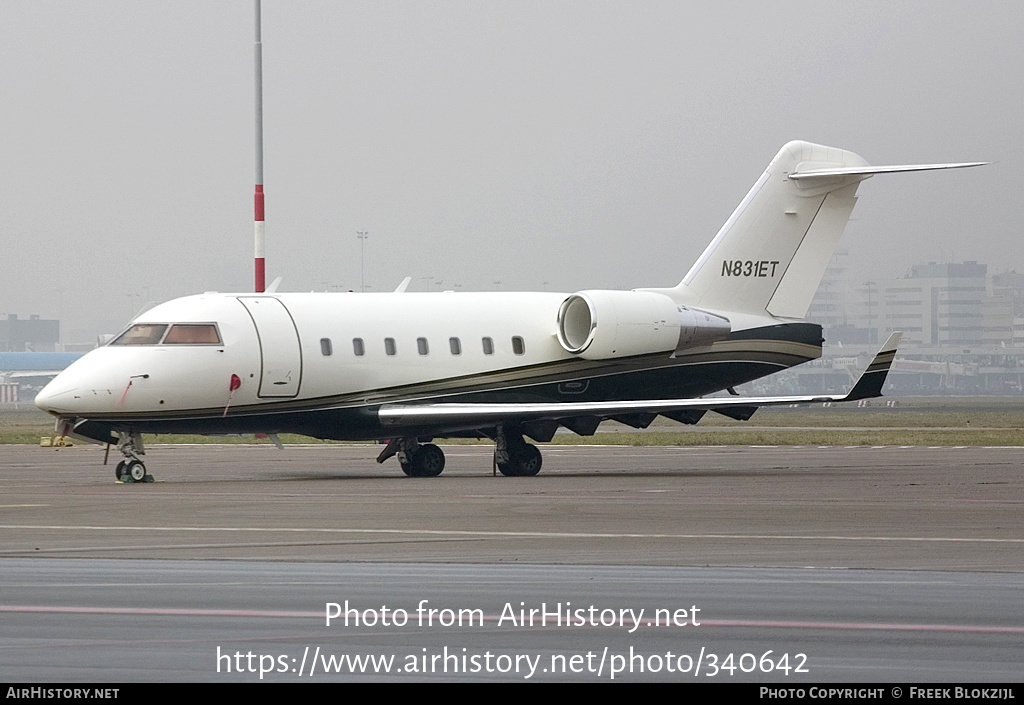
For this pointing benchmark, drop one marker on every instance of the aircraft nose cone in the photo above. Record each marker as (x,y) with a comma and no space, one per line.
(49,398)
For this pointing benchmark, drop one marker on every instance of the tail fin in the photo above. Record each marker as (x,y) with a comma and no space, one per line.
(770,255)
(772,252)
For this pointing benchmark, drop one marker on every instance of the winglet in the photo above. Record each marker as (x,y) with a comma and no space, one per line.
(873,379)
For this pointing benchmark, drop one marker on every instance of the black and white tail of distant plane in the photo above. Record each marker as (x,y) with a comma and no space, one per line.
(412,367)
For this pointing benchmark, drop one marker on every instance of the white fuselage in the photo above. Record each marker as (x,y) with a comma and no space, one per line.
(314,346)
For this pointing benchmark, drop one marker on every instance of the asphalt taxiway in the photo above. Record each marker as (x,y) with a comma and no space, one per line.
(879,564)
(114,621)
(896,508)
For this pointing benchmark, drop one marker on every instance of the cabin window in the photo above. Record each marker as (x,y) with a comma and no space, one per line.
(456,345)
(357,347)
(325,347)
(421,346)
(518,346)
(488,346)
(389,346)
(192,334)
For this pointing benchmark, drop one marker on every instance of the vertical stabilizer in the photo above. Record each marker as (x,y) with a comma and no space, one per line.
(770,255)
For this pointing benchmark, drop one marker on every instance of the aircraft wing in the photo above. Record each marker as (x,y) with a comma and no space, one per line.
(467,416)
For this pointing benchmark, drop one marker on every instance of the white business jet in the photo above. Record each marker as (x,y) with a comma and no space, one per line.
(411,367)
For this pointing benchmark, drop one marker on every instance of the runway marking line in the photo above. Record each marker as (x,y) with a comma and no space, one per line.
(513,534)
(745,623)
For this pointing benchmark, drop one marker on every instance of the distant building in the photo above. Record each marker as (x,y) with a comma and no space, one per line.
(963,330)
(934,305)
(938,304)
(33,334)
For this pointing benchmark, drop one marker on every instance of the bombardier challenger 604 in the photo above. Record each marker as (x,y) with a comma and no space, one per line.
(411,367)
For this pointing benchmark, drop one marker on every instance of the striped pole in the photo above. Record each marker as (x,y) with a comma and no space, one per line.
(260,263)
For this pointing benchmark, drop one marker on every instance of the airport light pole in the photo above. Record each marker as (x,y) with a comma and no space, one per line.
(258,248)
(362,235)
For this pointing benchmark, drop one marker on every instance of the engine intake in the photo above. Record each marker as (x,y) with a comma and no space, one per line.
(598,325)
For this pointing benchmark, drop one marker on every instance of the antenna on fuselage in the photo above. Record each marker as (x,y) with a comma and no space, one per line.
(260,266)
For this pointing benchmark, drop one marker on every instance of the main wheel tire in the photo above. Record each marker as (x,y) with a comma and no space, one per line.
(526,463)
(530,461)
(119,470)
(135,470)
(429,460)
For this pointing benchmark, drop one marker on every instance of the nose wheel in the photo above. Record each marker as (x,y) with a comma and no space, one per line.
(131,469)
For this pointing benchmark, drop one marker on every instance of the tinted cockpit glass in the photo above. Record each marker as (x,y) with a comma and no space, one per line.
(192,334)
(141,334)
(179,334)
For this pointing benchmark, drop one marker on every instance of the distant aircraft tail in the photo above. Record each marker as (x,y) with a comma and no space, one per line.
(770,255)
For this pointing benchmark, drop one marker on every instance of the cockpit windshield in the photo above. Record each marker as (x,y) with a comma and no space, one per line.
(169,334)
(141,334)
(192,334)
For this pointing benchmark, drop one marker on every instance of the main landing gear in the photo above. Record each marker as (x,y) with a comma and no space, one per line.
(513,456)
(416,459)
(131,469)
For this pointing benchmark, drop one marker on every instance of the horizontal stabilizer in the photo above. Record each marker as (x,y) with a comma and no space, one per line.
(867,171)
(772,252)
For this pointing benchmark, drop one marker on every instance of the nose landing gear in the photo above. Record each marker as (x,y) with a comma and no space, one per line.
(131,469)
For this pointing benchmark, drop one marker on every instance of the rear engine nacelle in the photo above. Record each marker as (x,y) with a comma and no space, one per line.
(697,328)
(597,325)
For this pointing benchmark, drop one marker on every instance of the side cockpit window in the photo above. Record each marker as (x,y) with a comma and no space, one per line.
(192,334)
(169,334)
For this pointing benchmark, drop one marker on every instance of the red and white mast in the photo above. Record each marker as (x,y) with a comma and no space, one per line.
(258,196)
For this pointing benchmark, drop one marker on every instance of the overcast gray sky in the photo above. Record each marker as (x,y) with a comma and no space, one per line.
(559,145)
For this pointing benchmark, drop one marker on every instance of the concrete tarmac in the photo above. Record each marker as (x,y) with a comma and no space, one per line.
(118,621)
(916,508)
(100,582)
